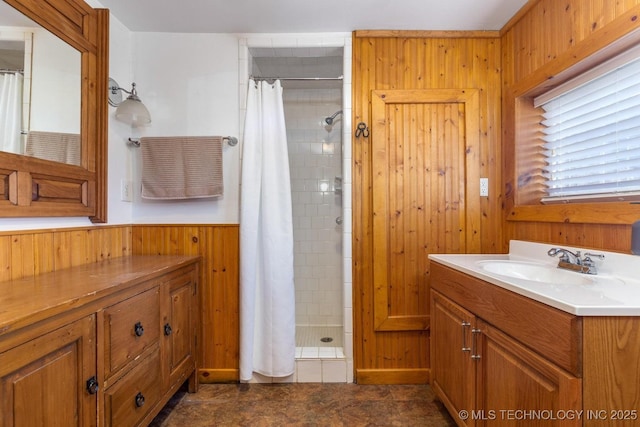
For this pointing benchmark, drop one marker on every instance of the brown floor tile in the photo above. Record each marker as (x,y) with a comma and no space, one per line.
(305,405)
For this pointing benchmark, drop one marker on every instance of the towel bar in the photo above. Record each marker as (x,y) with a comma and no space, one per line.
(232,141)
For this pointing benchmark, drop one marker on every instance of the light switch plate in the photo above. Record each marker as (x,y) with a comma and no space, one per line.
(126,190)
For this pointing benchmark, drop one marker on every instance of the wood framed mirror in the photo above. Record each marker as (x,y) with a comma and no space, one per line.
(35,187)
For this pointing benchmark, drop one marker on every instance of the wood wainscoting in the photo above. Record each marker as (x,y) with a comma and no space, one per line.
(31,252)
(218,245)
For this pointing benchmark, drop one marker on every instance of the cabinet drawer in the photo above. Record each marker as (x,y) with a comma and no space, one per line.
(135,394)
(131,326)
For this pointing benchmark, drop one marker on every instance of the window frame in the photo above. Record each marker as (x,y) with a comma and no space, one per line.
(523,191)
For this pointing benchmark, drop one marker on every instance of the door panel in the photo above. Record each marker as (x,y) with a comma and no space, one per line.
(513,378)
(421,141)
(452,368)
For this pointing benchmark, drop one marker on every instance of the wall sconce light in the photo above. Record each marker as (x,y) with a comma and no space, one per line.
(131,111)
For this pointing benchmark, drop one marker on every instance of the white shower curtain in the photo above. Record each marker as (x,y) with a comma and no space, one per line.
(10,112)
(267,296)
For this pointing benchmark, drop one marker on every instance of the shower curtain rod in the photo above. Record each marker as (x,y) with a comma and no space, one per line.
(296,78)
(8,71)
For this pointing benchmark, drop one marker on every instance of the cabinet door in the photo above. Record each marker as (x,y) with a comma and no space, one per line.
(452,367)
(44,381)
(180,325)
(516,386)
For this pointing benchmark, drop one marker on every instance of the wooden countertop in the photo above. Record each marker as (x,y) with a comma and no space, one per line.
(29,300)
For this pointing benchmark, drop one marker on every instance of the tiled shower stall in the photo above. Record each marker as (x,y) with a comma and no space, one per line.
(319,163)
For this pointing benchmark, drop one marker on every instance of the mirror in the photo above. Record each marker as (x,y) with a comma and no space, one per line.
(38,71)
(64,108)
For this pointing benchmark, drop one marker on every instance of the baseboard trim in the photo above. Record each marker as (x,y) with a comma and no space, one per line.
(393,376)
(213,376)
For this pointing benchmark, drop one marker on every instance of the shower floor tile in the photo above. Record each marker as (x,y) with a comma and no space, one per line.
(311,336)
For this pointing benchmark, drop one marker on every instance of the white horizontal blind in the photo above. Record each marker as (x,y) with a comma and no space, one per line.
(592,135)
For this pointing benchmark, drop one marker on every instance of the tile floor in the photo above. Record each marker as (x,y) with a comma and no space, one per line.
(311,336)
(305,405)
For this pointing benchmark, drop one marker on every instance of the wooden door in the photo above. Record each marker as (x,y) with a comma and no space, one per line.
(179,326)
(452,368)
(422,177)
(45,381)
(514,382)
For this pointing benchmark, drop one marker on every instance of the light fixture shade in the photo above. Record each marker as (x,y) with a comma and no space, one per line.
(132,111)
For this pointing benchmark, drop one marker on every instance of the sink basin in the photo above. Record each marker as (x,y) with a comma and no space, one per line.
(535,272)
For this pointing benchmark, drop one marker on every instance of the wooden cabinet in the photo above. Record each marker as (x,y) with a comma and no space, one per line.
(513,380)
(51,379)
(452,368)
(179,326)
(499,378)
(100,344)
(132,355)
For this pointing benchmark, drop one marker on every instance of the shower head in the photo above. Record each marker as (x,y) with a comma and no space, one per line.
(329,120)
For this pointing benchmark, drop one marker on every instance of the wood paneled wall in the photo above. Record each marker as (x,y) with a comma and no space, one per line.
(218,245)
(27,253)
(547,37)
(388,61)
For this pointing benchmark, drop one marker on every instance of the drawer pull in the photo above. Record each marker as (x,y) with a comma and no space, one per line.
(139,400)
(465,325)
(138,329)
(92,385)
(474,344)
(167,329)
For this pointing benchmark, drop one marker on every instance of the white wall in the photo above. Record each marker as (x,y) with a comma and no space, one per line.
(189,83)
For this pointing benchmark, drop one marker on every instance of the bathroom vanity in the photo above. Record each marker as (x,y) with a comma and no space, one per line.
(511,348)
(105,343)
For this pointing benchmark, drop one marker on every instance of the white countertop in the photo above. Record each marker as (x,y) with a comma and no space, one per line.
(614,291)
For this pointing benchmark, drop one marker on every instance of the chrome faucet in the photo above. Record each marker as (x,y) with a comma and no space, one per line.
(575,261)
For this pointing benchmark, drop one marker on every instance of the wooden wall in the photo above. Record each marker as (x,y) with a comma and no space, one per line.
(218,245)
(385,62)
(27,253)
(544,39)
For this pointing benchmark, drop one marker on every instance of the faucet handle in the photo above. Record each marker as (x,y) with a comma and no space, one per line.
(588,261)
(589,255)
(565,255)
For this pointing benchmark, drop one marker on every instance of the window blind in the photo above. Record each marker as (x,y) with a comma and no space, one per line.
(591,133)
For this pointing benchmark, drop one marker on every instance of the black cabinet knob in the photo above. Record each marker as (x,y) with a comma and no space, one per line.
(138,329)
(139,400)
(167,329)
(92,385)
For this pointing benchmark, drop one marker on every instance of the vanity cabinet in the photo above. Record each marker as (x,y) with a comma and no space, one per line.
(99,344)
(500,356)
(51,379)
